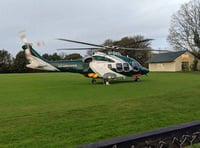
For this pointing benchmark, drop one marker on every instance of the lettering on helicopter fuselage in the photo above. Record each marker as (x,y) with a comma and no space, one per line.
(67,65)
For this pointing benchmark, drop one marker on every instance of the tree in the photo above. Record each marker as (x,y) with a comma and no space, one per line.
(73,56)
(52,57)
(61,56)
(185,28)
(20,62)
(5,61)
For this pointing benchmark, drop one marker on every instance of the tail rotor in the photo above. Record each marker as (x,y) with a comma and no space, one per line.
(22,36)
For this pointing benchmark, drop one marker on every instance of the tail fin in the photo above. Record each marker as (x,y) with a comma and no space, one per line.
(35,60)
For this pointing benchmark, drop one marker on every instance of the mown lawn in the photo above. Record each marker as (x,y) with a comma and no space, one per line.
(65,110)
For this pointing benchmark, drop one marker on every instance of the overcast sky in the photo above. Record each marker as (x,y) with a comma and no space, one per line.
(85,20)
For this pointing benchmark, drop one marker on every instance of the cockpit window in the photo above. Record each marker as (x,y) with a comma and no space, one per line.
(119,67)
(126,67)
(136,66)
(110,66)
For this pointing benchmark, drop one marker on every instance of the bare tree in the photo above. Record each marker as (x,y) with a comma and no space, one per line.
(185,28)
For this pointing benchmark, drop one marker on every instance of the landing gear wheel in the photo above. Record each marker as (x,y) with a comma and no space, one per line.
(106,82)
(94,81)
(136,79)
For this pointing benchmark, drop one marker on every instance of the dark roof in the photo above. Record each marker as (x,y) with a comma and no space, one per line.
(165,57)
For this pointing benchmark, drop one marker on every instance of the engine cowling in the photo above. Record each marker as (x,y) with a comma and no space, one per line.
(87,59)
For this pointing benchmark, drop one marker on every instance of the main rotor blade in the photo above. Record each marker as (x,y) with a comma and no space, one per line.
(146,49)
(131,48)
(77,48)
(145,40)
(85,43)
(101,46)
(160,50)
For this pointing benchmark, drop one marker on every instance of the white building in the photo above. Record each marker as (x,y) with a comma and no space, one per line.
(172,61)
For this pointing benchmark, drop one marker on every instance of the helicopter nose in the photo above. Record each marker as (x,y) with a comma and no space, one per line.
(144,70)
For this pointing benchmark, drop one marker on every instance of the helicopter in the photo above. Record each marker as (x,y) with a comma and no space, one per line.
(105,65)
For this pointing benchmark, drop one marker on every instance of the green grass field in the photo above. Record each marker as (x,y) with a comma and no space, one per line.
(65,110)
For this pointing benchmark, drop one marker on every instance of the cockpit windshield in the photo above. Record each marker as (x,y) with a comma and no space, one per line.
(136,66)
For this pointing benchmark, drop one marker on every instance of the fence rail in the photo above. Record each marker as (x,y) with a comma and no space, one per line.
(170,137)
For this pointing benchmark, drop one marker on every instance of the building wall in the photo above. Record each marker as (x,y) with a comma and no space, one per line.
(162,66)
(186,57)
(198,66)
